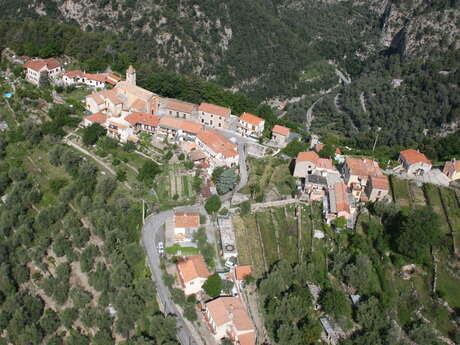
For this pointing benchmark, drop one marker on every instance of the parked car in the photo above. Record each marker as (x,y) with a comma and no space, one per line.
(161,248)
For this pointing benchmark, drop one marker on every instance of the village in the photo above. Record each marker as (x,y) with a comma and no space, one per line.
(212,137)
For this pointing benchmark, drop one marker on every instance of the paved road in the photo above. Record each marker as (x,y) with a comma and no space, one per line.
(310,112)
(151,235)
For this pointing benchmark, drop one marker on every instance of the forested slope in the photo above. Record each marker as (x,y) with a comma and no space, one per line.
(257,46)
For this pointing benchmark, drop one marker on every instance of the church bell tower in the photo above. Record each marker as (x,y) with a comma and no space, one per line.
(131,75)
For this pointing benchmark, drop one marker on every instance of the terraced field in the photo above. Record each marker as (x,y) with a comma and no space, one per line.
(278,233)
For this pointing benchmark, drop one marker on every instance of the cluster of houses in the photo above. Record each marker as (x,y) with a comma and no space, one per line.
(225,316)
(38,70)
(361,179)
(127,111)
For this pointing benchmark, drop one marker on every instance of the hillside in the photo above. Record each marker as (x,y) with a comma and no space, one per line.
(401,261)
(255,46)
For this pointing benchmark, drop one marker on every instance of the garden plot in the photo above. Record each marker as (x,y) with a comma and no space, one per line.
(417,194)
(401,194)
(432,194)
(248,244)
(452,210)
(273,234)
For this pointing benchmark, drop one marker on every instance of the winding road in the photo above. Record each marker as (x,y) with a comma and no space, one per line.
(152,234)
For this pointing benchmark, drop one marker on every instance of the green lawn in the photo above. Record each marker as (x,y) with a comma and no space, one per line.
(449,287)
(78,94)
(175,249)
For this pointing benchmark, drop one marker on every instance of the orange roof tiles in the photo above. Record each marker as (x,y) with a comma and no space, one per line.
(133,139)
(413,156)
(110,94)
(38,64)
(113,78)
(138,104)
(229,309)
(97,77)
(229,153)
(451,167)
(74,73)
(186,220)
(242,271)
(191,127)
(307,156)
(325,163)
(218,143)
(214,109)
(281,130)
(380,182)
(252,119)
(97,118)
(143,118)
(97,98)
(341,197)
(176,105)
(192,267)
(170,122)
(362,166)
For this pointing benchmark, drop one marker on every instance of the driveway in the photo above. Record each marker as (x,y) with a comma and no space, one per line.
(151,235)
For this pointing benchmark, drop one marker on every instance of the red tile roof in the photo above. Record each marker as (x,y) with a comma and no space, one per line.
(242,271)
(281,130)
(191,127)
(38,64)
(192,267)
(251,118)
(380,182)
(362,166)
(97,118)
(74,73)
(97,77)
(214,109)
(133,139)
(171,122)
(413,156)
(325,163)
(309,156)
(186,220)
(218,143)
(451,167)
(138,104)
(113,78)
(229,309)
(183,107)
(143,118)
(111,95)
(341,197)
